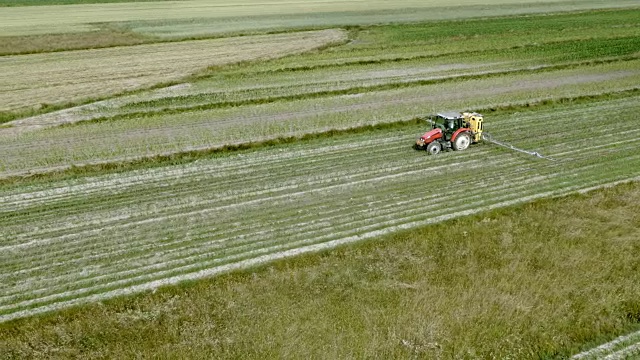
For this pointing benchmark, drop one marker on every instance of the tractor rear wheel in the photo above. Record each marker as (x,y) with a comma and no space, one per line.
(434,148)
(462,141)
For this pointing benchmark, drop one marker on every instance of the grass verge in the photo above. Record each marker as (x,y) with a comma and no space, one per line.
(541,280)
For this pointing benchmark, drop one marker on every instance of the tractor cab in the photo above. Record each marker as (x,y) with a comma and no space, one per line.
(448,123)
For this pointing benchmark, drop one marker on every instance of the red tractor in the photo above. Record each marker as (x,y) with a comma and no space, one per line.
(451,131)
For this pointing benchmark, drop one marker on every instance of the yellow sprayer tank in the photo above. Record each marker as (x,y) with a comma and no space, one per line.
(475,124)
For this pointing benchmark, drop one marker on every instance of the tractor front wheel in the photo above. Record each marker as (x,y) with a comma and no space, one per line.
(434,148)
(462,141)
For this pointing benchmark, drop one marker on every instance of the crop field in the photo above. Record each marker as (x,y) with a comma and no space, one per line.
(389,56)
(201,17)
(187,221)
(64,77)
(145,145)
(527,281)
(97,142)
(50,29)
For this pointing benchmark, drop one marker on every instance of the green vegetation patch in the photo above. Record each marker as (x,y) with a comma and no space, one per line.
(473,38)
(526,282)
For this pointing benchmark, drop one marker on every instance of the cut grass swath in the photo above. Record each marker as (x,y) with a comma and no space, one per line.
(178,223)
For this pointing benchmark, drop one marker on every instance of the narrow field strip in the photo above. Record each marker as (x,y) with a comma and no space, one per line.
(242,168)
(356,80)
(50,262)
(234,198)
(279,93)
(190,203)
(215,184)
(147,128)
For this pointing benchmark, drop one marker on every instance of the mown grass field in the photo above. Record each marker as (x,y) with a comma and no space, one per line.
(210,213)
(542,280)
(200,17)
(221,161)
(385,74)
(67,77)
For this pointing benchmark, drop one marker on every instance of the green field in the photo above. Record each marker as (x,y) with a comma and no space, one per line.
(384,74)
(156,144)
(200,17)
(313,197)
(54,79)
(33,29)
(542,280)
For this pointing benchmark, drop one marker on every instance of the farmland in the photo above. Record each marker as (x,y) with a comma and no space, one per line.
(204,151)
(201,17)
(385,74)
(163,134)
(527,281)
(309,195)
(112,70)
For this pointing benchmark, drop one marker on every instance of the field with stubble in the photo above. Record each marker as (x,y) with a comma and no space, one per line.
(72,75)
(224,180)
